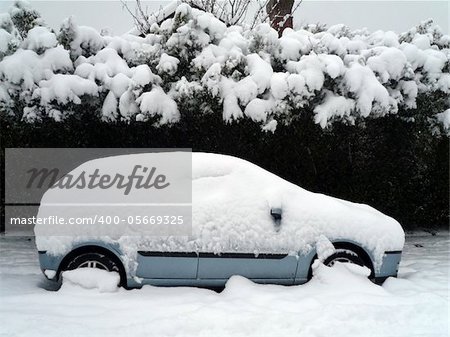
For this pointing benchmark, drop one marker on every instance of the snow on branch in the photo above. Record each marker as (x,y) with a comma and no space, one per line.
(195,59)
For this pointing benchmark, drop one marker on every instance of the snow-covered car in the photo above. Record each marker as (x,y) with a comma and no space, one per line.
(245,221)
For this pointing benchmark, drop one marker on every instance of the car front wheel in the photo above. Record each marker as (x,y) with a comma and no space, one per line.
(345,256)
(93,260)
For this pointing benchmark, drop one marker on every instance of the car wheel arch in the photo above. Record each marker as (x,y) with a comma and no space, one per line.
(80,250)
(361,252)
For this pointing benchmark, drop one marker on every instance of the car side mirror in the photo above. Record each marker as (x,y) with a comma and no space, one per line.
(276,213)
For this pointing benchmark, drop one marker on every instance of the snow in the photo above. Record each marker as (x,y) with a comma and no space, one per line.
(296,84)
(311,69)
(211,79)
(231,108)
(119,84)
(258,109)
(362,82)
(260,72)
(290,47)
(339,301)
(422,41)
(279,85)
(157,102)
(6,22)
(389,64)
(142,75)
(4,96)
(26,68)
(168,64)
(270,126)
(324,249)
(233,39)
(109,108)
(333,106)
(345,277)
(30,114)
(249,227)
(410,91)
(235,65)
(414,55)
(40,38)
(91,278)
(108,63)
(127,105)
(5,39)
(86,39)
(64,88)
(215,28)
(205,59)
(246,90)
(444,119)
(435,62)
(50,273)
(56,115)
(161,14)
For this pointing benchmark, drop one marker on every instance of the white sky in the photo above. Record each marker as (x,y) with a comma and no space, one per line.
(380,14)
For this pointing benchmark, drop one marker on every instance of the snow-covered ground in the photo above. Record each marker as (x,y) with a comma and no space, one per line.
(337,302)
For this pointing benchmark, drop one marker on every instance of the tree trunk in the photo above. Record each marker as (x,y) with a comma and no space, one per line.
(280,14)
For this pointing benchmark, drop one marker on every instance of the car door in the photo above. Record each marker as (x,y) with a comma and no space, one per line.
(167,265)
(232,206)
(264,268)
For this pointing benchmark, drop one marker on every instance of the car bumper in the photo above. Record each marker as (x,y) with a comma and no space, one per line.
(49,265)
(389,266)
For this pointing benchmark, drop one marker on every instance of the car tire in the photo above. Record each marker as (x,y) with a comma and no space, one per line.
(344,256)
(96,260)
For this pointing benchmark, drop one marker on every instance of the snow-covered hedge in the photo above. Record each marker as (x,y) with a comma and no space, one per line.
(195,60)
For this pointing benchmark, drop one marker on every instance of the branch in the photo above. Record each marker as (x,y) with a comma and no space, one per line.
(296,6)
(137,21)
(259,12)
(242,10)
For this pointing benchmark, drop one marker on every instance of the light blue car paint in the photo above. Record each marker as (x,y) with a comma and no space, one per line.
(209,270)
(389,267)
(165,267)
(252,268)
(303,265)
